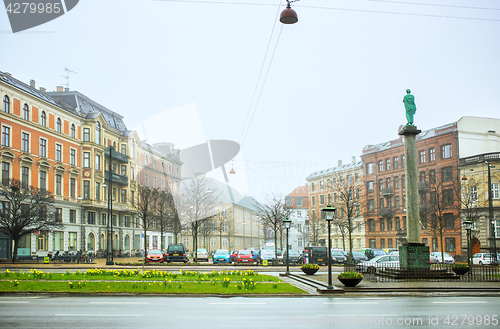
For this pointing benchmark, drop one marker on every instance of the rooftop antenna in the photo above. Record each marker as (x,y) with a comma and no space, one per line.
(67,77)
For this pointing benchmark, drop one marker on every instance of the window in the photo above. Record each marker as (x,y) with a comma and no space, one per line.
(389,224)
(86,134)
(43,148)
(132,173)
(58,241)
(495,191)
(497,228)
(432,154)
(449,221)
(124,170)
(43,180)
(25,142)
(132,197)
(127,221)
(312,200)
(6,104)
(86,189)
(432,176)
(369,168)
(396,202)
(186,241)
(446,151)
(329,200)
(396,163)
(380,166)
(321,185)
(312,187)
(97,191)
(58,125)
(388,164)
(298,201)
(58,152)
(43,119)
(403,161)
(371,205)
(403,180)
(59,215)
(372,243)
(42,241)
(154,163)
(450,245)
(154,182)
(422,156)
(73,131)
(370,187)
(91,218)
(473,193)
(86,159)
(146,160)
(26,112)
(381,203)
(321,199)
(124,196)
(382,243)
(72,240)
(58,184)
(447,174)
(25,174)
(396,182)
(72,157)
(356,178)
(132,148)
(381,184)
(421,176)
(97,132)
(382,225)
(389,243)
(124,149)
(398,223)
(5,136)
(425,241)
(72,187)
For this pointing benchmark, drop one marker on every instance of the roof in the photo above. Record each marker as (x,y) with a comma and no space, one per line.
(90,108)
(4,77)
(300,191)
(332,170)
(425,134)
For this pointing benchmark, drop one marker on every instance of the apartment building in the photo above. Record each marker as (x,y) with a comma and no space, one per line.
(298,234)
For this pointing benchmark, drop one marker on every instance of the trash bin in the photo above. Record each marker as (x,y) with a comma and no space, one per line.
(46,260)
(264,262)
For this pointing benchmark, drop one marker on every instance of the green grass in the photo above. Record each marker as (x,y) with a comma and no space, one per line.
(145,282)
(165,287)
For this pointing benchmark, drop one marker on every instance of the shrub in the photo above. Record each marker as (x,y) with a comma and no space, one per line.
(310,266)
(350,275)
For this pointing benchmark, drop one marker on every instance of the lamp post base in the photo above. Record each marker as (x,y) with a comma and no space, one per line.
(110,262)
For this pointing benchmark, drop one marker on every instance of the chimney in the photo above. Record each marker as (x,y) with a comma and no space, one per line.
(7,73)
(340,163)
(353,158)
(66,89)
(32,83)
(59,89)
(43,90)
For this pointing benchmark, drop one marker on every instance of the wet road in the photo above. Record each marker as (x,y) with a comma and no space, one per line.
(254,312)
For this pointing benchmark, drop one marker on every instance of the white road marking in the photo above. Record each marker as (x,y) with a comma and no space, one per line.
(93,314)
(12,302)
(473,302)
(236,303)
(346,315)
(350,303)
(141,303)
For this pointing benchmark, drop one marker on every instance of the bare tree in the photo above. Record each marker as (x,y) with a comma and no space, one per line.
(314,229)
(165,209)
(25,210)
(198,206)
(222,223)
(273,212)
(146,210)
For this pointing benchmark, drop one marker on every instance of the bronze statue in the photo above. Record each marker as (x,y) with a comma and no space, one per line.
(410,106)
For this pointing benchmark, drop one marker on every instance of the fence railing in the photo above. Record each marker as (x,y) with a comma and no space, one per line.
(436,272)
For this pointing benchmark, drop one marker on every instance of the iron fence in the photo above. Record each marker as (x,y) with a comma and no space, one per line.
(435,272)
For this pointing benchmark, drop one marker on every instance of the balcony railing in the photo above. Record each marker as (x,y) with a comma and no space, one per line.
(387,192)
(116,155)
(118,179)
(424,209)
(423,186)
(386,212)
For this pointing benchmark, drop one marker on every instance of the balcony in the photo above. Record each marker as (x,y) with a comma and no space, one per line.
(424,209)
(118,179)
(386,212)
(117,156)
(387,192)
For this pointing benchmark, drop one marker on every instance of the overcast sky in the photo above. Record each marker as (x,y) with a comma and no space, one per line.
(335,83)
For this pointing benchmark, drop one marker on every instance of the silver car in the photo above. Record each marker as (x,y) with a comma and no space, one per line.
(379,262)
(435,258)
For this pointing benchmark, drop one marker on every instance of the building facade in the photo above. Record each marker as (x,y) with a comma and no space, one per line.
(298,234)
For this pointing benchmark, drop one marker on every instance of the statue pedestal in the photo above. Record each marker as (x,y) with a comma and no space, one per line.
(414,256)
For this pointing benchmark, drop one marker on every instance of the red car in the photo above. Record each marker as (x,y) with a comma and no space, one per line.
(243,256)
(154,256)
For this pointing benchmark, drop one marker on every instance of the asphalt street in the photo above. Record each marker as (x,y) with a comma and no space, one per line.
(238,312)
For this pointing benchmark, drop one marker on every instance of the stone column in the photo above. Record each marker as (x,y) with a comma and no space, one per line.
(412,202)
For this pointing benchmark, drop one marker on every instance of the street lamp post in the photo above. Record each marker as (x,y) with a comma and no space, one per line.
(288,223)
(328,214)
(468,227)
(109,224)
(493,243)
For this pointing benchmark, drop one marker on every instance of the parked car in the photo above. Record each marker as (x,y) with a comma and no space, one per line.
(202,254)
(374,264)
(154,256)
(316,255)
(435,258)
(357,256)
(221,256)
(373,252)
(393,253)
(266,254)
(294,257)
(482,258)
(338,256)
(243,256)
(177,253)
